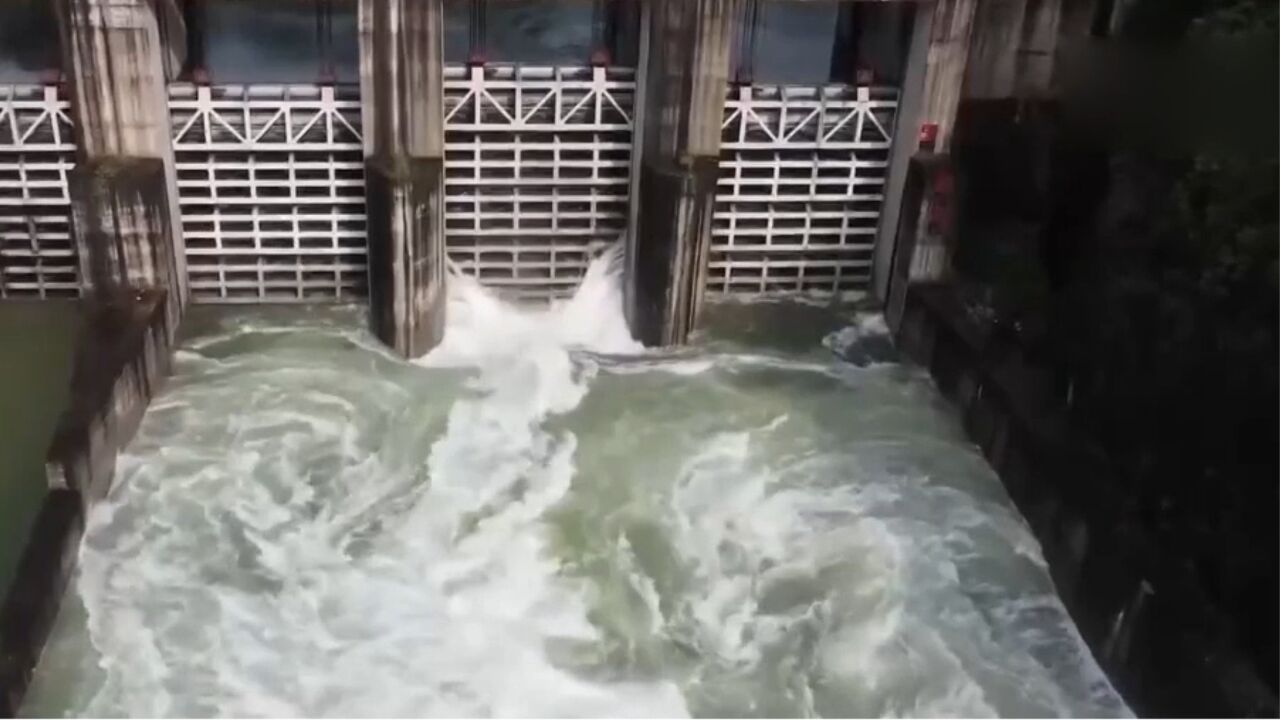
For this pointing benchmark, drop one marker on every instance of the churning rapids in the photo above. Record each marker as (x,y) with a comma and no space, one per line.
(542,518)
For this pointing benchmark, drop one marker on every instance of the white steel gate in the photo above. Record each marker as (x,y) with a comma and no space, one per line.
(802,175)
(37,150)
(537,167)
(271,187)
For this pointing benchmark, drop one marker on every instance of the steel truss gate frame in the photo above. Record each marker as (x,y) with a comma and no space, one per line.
(802,174)
(537,172)
(38,257)
(272,193)
(537,175)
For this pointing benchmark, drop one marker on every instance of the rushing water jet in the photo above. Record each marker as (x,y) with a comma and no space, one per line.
(541,518)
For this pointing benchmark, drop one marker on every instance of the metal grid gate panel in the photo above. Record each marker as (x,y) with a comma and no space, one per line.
(271,187)
(802,174)
(37,150)
(537,172)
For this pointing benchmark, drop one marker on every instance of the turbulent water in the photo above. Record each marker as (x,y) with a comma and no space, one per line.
(542,518)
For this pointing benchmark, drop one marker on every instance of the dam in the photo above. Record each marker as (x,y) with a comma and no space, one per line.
(493,358)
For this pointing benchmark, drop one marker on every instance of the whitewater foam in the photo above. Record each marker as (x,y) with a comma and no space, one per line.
(540,517)
(483,330)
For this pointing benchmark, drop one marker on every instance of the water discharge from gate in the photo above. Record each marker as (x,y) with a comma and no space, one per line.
(541,518)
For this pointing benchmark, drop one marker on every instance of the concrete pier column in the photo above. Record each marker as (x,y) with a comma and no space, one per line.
(402,93)
(124,192)
(948,60)
(684,75)
(912,245)
(906,143)
(119,214)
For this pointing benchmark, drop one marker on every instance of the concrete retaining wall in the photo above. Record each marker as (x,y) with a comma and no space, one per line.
(1164,645)
(122,357)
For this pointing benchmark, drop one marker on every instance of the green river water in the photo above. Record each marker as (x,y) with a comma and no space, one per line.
(36,343)
(541,518)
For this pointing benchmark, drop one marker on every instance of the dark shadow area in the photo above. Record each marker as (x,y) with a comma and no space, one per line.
(542,32)
(1124,240)
(811,43)
(28,41)
(273,41)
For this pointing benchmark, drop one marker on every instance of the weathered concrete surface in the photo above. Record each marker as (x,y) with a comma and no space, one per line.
(401,77)
(119,96)
(951,34)
(1001,49)
(906,143)
(670,267)
(401,82)
(1166,647)
(122,227)
(122,356)
(685,73)
(922,236)
(172,22)
(904,239)
(1012,50)
(121,360)
(405,198)
(994,49)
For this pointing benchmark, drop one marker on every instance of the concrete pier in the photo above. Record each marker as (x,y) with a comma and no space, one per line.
(912,242)
(975,51)
(948,57)
(123,225)
(905,145)
(684,77)
(402,86)
(124,195)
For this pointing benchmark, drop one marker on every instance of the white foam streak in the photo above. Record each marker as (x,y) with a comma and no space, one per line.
(445,610)
(483,330)
(895,636)
(494,473)
(307,526)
